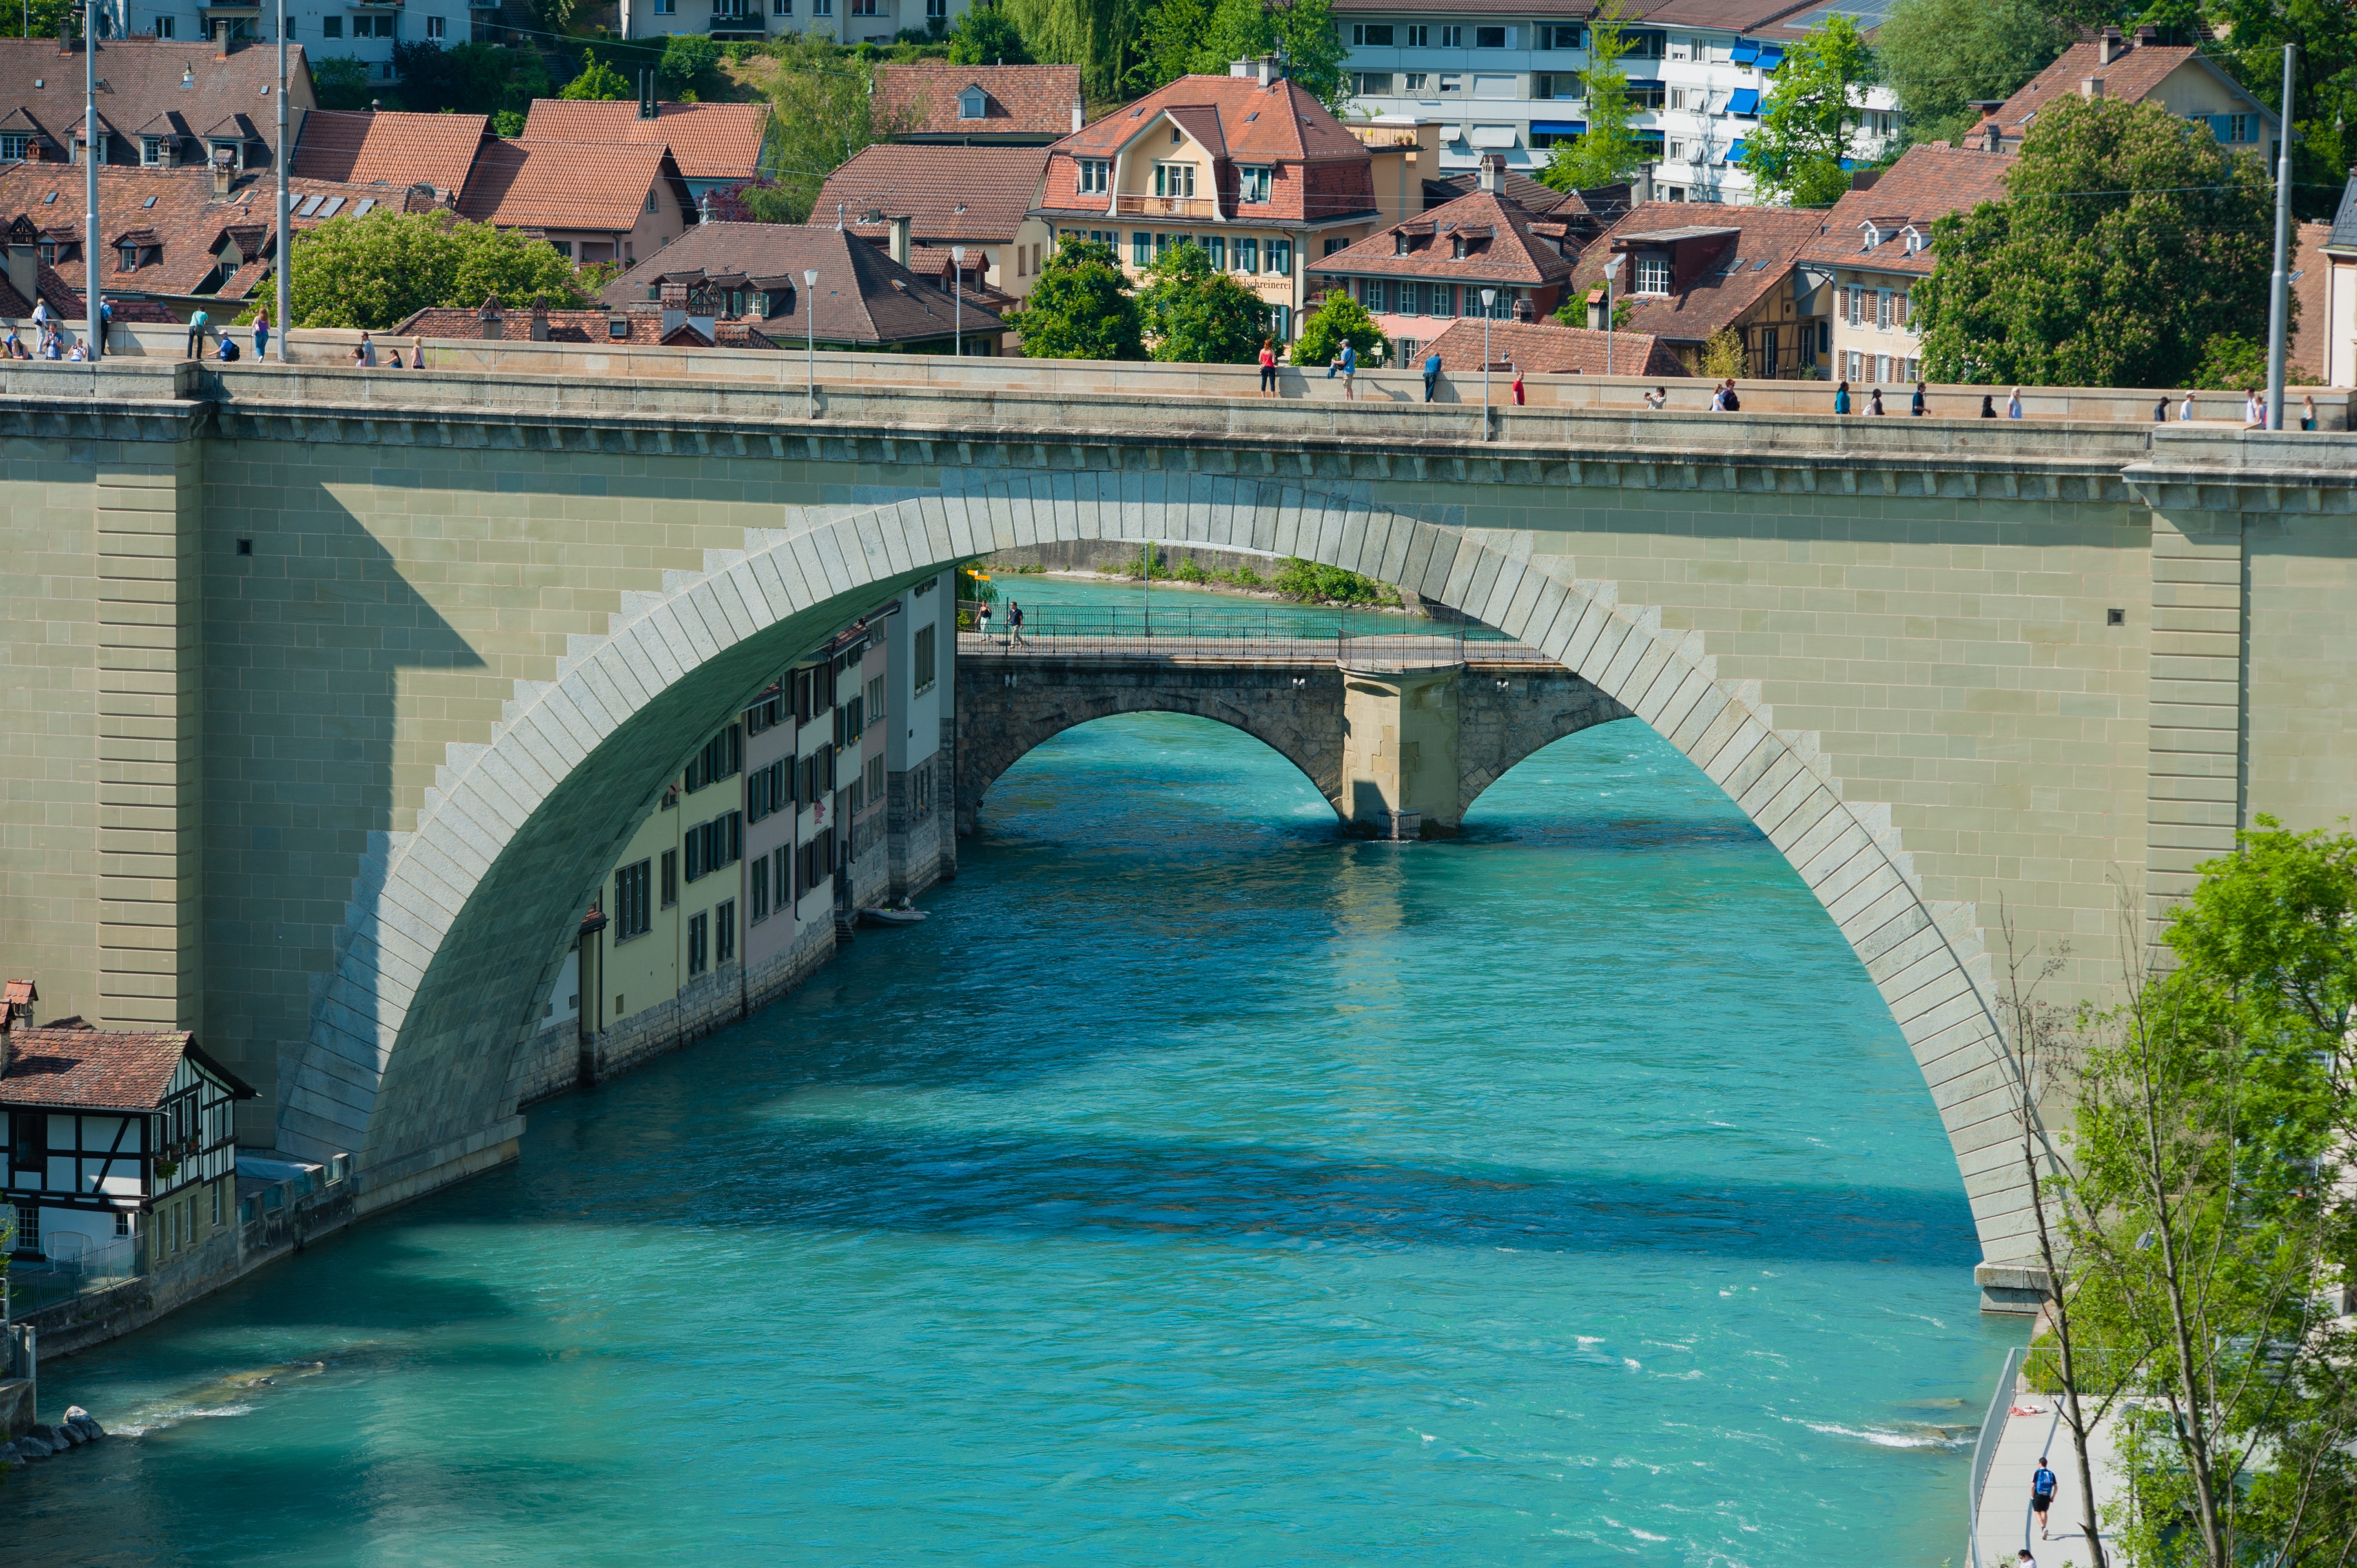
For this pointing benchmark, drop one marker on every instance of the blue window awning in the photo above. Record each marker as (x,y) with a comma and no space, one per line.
(1744,100)
(1735,152)
(1770,56)
(1746,51)
(1559,127)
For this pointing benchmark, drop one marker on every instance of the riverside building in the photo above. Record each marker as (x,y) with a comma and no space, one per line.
(827,794)
(1511,82)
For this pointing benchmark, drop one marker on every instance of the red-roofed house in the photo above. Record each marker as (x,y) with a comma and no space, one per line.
(117,1142)
(1876,248)
(715,145)
(979,105)
(1249,166)
(1542,350)
(593,203)
(395,148)
(2183,80)
(1415,277)
(1689,271)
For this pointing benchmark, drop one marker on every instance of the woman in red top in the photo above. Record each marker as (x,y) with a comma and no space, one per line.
(1518,386)
(1268,366)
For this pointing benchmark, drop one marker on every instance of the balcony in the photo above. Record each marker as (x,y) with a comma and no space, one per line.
(1165,207)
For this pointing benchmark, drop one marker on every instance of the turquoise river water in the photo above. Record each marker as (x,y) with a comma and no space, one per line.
(1196,1186)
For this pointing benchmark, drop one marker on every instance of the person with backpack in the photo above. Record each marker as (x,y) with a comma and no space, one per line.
(2041,1495)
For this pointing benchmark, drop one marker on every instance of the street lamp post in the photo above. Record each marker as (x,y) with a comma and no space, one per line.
(957,299)
(1611,269)
(2280,283)
(810,320)
(1488,302)
(285,290)
(93,306)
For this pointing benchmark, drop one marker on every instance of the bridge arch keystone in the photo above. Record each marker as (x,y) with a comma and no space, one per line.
(405,1067)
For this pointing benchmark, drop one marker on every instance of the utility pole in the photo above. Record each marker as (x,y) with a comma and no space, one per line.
(1611,268)
(284,267)
(810,320)
(1488,304)
(93,306)
(957,299)
(2279,285)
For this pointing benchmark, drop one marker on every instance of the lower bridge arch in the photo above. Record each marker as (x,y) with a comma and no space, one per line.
(406,1068)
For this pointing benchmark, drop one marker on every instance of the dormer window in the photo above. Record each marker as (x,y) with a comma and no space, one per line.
(1652,276)
(971,103)
(1871,235)
(1253,182)
(1457,249)
(1095,175)
(1914,237)
(130,258)
(1399,244)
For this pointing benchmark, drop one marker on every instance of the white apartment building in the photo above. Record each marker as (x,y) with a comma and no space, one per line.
(1509,82)
(328,30)
(845,21)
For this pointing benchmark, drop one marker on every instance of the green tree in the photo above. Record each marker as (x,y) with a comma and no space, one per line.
(2324,112)
(1318,584)
(1339,320)
(986,35)
(556,16)
(372,272)
(470,79)
(824,113)
(1098,36)
(2124,246)
(1805,129)
(1607,151)
(46,18)
(340,81)
(1196,316)
(2199,1197)
(690,68)
(598,83)
(1173,33)
(1938,56)
(1081,307)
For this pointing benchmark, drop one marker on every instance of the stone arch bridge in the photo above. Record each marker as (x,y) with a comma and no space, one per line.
(1400,734)
(331,694)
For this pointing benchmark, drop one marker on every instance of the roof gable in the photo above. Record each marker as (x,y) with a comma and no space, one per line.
(921,99)
(404,149)
(709,141)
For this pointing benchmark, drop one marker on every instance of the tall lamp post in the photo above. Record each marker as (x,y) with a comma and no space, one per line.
(284,267)
(93,306)
(2279,285)
(810,320)
(1611,271)
(957,299)
(1488,303)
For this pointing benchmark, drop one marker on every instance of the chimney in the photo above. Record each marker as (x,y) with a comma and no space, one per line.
(2091,87)
(489,316)
(1492,177)
(222,171)
(64,33)
(1239,68)
(221,40)
(540,324)
(647,109)
(901,228)
(2147,35)
(25,269)
(2108,46)
(703,209)
(1080,114)
(1267,64)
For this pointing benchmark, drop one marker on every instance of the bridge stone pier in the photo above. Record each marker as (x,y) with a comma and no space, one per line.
(1400,733)
(330,693)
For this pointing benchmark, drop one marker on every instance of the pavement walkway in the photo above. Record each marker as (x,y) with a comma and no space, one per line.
(2005,1525)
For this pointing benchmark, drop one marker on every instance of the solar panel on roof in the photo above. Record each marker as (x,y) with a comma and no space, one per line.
(310,205)
(362,210)
(334,202)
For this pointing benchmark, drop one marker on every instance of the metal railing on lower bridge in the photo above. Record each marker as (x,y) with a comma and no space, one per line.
(1180,638)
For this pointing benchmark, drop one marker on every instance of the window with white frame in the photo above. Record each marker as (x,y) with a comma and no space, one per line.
(1652,276)
(1882,310)
(1174,179)
(1855,313)
(1452,38)
(1370,34)
(436,28)
(1253,181)
(164,29)
(1096,175)
(1419,38)
(937,10)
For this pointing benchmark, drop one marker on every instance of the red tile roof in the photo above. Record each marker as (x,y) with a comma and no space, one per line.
(565,184)
(953,194)
(921,99)
(2132,75)
(1539,349)
(1738,254)
(397,148)
(864,298)
(1500,247)
(142,87)
(1926,184)
(465,324)
(709,141)
(1249,122)
(100,1070)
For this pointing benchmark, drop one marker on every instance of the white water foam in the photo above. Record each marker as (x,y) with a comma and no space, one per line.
(159,1420)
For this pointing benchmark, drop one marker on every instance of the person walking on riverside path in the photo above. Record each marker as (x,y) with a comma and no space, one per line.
(2041,1495)
(1014,620)
(982,619)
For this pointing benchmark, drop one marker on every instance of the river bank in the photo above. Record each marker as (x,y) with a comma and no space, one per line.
(1107,562)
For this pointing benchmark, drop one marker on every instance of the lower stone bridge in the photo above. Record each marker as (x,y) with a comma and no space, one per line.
(1400,733)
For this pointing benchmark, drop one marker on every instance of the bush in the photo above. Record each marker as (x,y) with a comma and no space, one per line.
(1316,584)
(1337,319)
(691,66)
(340,81)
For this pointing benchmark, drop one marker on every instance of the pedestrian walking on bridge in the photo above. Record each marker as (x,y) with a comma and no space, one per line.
(2041,1496)
(1431,375)
(1015,619)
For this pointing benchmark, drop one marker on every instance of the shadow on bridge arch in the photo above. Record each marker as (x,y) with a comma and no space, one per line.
(406,1067)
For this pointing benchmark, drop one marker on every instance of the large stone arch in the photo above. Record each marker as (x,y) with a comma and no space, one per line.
(409,1068)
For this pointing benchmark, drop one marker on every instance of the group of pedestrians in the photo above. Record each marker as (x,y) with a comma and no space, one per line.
(1014,619)
(49,337)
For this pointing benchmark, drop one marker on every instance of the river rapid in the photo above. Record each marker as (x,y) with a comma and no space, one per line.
(1197,1186)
